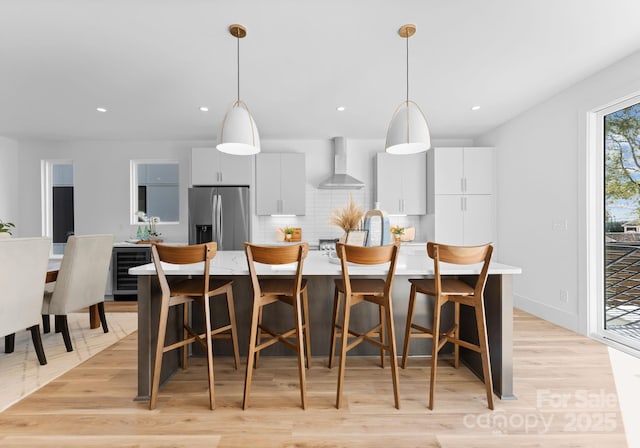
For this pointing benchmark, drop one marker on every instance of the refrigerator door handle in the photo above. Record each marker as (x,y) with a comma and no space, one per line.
(219,213)
(214,224)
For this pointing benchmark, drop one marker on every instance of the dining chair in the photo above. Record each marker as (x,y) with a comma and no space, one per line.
(81,282)
(183,293)
(23,269)
(447,289)
(371,290)
(289,290)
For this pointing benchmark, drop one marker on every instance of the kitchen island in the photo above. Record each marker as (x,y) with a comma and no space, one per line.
(320,272)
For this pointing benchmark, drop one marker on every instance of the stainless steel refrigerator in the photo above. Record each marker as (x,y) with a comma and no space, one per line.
(219,214)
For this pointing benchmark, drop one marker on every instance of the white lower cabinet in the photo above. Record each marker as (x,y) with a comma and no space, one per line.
(467,220)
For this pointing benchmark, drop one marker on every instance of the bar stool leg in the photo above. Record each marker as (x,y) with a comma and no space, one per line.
(434,349)
(162,330)
(234,332)
(383,339)
(300,343)
(391,337)
(259,337)
(343,352)
(407,330)
(307,327)
(334,327)
(456,334)
(251,356)
(209,343)
(185,334)
(484,352)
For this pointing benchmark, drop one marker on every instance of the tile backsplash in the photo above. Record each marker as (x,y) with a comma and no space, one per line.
(315,224)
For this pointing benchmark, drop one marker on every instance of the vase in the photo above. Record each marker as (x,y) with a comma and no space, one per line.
(5,235)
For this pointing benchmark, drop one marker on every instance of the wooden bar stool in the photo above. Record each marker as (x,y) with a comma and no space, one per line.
(292,291)
(198,290)
(355,291)
(447,289)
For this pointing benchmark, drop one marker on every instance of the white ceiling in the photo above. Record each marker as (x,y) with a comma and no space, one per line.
(152,63)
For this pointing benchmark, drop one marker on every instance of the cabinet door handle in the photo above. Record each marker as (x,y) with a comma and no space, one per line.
(281,205)
(465,184)
(462,184)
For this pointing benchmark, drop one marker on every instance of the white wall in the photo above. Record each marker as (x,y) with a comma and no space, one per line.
(101,184)
(541,166)
(9,185)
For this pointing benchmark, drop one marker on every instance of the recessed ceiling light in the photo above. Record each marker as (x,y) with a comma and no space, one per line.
(340,108)
(101,109)
(475,108)
(204,109)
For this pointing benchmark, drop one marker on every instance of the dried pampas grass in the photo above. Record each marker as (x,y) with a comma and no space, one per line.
(347,217)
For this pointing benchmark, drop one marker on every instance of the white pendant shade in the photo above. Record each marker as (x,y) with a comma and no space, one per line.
(238,134)
(408,132)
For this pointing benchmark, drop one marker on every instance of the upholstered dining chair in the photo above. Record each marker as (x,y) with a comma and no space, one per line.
(81,282)
(291,290)
(447,289)
(23,269)
(376,291)
(182,293)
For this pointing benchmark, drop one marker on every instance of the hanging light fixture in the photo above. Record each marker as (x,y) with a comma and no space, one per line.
(408,132)
(238,134)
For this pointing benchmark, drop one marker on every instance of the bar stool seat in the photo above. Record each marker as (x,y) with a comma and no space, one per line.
(446,289)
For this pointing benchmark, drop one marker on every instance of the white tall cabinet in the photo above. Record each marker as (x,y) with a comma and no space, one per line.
(280,184)
(460,195)
(401,183)
(212,167)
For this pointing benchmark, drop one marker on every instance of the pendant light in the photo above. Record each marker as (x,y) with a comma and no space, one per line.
(408,132)
(238,134)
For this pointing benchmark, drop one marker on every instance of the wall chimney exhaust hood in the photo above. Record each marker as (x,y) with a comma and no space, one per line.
(340,180)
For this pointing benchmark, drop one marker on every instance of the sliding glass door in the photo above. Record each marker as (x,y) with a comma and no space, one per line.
(620,316)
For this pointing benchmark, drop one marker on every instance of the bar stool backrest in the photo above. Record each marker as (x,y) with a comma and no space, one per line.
(461,255)
(276,255)
(183,255)
(368,256)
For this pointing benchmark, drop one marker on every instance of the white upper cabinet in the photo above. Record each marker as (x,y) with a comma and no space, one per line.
(212,167)
(462,170)
(280,184)
(461,204)
(401,183)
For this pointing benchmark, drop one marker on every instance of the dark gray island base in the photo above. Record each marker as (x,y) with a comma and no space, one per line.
(498,303)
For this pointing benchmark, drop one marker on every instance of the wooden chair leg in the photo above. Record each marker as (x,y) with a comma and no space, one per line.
(307,327)
(297,308)
(343,351)
(61,321)
(157,366)
(251,356)
(484,352)
(46,324)
(393,355)
(434,348)
(209,345)
(383,326)
(259,336)
(9,343)
(103,317)
(37,344)
(234,330)
(334,326)
(185,334)
(456,334)
(407,330)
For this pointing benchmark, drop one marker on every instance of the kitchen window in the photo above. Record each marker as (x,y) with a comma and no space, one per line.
(58,203)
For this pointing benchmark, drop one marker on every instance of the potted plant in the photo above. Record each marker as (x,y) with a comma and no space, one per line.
(288,233)
(397,232)
(5,229)
(347,217)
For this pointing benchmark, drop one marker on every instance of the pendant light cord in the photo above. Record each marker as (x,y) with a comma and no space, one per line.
(407,37)
(238,64)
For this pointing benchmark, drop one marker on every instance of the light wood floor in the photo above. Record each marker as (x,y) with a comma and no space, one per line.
(562,380)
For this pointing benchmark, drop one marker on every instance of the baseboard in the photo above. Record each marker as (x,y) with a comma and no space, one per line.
(546,312)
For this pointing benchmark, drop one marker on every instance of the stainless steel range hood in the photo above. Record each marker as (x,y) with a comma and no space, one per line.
(340,180)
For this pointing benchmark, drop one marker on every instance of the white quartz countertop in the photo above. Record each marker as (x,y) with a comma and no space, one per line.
(410,262)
